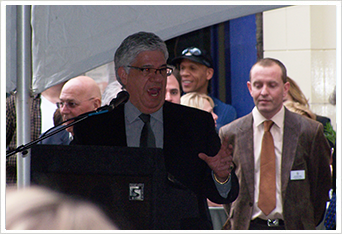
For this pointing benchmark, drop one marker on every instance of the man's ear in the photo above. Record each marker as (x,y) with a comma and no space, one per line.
(97,103)
(249,86)
(210,73)
(286,89)
(123,75)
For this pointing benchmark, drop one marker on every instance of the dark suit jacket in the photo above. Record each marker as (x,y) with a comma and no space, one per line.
(304,148)
(60,138)
(325,120)
(187,132)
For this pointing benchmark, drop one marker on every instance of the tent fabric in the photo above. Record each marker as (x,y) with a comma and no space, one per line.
(69,40)
(11,48)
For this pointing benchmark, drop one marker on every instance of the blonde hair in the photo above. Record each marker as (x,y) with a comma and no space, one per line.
(39,208)
(194,99)
(296,93)
(299,109)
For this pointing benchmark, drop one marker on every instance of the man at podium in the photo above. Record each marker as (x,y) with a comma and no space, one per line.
(193,155)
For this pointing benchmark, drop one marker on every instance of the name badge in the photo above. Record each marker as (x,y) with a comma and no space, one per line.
(298,175)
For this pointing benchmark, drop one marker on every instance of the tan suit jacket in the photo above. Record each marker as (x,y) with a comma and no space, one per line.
(304,148)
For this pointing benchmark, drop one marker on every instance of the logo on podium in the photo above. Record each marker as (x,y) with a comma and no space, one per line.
(136,191)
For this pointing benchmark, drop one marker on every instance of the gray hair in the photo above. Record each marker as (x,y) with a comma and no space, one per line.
(134,45)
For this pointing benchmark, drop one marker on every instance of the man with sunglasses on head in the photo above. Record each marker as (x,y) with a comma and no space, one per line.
(186,135)
(196,70)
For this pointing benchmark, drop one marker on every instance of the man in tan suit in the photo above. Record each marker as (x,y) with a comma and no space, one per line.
(302,174)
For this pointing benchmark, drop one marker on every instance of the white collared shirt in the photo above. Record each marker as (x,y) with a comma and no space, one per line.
(47,110)
(277,132)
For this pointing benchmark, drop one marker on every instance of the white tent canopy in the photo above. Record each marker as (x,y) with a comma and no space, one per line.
(68,40)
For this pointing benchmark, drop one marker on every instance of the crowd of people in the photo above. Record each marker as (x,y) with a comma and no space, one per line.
(270,169)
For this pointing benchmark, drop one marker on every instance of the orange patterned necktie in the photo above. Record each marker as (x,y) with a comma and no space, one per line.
(267,187)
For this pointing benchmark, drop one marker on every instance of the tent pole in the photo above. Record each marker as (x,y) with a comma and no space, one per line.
(23,91)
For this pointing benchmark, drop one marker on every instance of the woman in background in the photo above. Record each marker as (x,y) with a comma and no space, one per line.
(200,101)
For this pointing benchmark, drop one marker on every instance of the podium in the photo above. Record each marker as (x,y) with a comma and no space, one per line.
(130,184)
(123,181)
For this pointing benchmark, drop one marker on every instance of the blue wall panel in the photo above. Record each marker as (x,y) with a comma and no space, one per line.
(242,54)
(215,57)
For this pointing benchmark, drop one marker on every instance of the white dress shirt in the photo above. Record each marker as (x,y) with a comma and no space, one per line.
(47,110)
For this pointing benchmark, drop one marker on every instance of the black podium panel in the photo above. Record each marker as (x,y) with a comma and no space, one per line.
(126,182)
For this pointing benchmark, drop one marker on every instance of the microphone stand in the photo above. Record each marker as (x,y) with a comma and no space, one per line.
(23,148)
(121,98)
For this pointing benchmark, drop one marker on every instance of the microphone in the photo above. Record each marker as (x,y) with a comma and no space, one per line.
(122,97)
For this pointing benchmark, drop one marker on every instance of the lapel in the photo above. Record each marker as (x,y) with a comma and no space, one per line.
(117,121)
(245,146)
(166,122)
(290,142)
(170,123)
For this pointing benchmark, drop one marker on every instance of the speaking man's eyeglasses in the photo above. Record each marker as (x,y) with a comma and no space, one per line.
(146,71)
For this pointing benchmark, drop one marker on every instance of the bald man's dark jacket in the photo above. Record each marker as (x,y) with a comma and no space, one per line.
(187,132)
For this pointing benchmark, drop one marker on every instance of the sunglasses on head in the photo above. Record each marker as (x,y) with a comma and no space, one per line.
(192,51)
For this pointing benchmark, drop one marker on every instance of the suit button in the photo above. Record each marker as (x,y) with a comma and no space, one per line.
(251,204)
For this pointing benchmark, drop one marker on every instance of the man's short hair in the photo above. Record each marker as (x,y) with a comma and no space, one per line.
(133,45)
(267,62)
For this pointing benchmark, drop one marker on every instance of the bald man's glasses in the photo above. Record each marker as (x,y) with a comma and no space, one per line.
(70,104)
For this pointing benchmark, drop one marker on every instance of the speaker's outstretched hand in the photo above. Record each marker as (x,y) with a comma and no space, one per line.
(222,163)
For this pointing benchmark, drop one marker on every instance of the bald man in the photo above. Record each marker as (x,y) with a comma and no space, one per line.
(79,95)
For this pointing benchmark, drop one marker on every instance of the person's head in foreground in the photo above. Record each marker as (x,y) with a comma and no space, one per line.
(39,208)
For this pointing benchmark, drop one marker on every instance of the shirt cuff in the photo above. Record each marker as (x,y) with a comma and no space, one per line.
(223,189)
